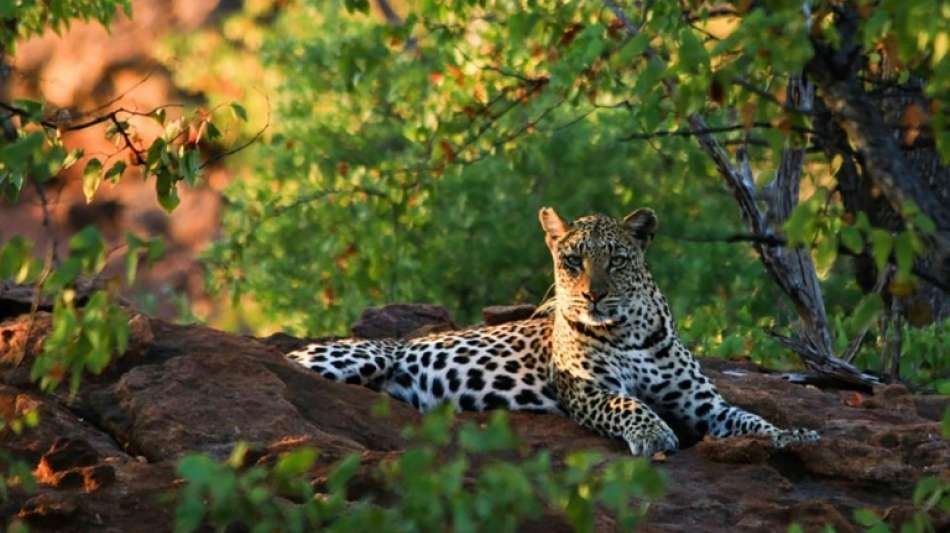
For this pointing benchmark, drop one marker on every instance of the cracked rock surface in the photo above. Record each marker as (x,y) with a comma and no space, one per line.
(105,458)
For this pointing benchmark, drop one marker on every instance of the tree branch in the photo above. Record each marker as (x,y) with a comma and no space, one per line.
(792,270)
(693,132)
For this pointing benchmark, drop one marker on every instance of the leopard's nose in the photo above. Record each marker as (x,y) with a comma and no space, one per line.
(593,296)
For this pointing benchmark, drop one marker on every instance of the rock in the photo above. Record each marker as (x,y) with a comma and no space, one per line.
(49,510)
(73,463)
(67,453)
(20,338)
(284,343)
(735,450)
(499,314)
(105,457)
(402,320)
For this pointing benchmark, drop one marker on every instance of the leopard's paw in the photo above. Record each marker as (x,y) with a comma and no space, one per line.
(792,436)
(647,439)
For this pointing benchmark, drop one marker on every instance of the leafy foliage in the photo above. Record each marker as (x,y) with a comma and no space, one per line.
(20,19)
(38,154)
(407,158)
(83,338)
(432,484)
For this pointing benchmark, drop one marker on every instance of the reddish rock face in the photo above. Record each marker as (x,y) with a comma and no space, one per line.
(402,320)
(499,314)
(104,458)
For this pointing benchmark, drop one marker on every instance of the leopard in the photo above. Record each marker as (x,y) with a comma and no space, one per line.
(605,352)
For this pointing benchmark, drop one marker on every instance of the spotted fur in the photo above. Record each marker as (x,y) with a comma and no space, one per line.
(609,357)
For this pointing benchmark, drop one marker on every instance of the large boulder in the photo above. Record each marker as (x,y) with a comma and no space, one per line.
(106,457)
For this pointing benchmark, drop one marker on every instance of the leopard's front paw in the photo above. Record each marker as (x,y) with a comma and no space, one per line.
(650,438)
(791,436)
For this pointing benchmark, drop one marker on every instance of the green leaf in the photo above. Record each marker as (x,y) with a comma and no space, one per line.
(91,178)
(190,166)
(16,156)
(189,515)
(65,274)
(693,55)
(904,252)
(115,173)
(945,423)
(633,48)
(924,223)
(357,6)
(16,260)
(196,468)
(155,152)
(72,158)
(866,312)
(159,115)
(866,517)
(156,249)
(132,257)
(34,109)
(165,187)
(239,111)
(296,462)
(520,25)
(342,473)
(924,488)
(799,228)
(497,436)
(881,244)
(851,239)
(211,131)
(825,254)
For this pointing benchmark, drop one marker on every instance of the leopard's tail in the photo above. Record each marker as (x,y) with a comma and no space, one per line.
(366,362)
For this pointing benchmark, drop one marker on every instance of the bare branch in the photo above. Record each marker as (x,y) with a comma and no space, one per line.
(793,270)
(693,132)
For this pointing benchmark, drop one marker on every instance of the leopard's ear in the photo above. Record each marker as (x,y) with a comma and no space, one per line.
(554,227)
(643,224)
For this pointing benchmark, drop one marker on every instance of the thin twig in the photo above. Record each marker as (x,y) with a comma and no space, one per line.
(44,202)
(64,125)
(139,160)
(767,240)
(242,146)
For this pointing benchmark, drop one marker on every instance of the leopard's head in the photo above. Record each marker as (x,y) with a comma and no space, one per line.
(600,272)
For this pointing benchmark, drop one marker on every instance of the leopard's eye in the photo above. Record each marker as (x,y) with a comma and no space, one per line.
(573,260)
(618,261)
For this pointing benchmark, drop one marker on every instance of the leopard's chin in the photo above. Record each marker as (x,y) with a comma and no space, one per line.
(597,320)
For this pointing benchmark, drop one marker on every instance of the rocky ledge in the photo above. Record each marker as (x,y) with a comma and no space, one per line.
(105,459)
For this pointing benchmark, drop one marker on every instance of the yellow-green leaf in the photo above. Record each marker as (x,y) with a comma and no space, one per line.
(826,254)
(91,178)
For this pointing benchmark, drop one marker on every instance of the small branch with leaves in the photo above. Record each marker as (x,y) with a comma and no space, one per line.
(173,156)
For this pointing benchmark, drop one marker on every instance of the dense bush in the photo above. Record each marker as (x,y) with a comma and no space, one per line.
(432,485)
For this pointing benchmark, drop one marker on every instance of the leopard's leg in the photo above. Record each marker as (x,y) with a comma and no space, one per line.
(691,397)
(356,361)
(614,415)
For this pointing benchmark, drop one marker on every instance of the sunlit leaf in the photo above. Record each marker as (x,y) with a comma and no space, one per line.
(91,178)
